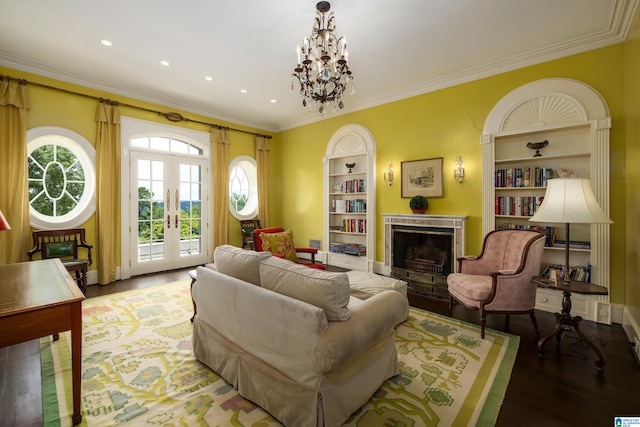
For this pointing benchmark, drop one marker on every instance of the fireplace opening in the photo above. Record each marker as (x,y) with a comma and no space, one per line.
(423,256)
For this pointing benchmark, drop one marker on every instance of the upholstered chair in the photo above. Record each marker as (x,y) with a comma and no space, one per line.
(499,279)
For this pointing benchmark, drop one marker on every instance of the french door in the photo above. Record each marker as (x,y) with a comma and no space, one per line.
(167,212)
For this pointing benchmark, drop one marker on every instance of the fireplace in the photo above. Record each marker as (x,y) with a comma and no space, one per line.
(422,250)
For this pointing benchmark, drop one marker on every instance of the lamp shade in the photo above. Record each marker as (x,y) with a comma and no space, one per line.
(570,200)
(4,225)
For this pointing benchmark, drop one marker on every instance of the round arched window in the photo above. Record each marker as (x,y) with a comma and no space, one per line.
(243,188)
(61,178)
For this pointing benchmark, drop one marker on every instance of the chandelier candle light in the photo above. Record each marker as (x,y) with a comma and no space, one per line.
(323,69)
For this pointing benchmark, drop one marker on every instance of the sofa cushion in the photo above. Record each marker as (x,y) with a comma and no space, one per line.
(323,289)
(279,243)
(239,263)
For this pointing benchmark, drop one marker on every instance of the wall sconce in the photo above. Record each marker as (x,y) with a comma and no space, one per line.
(388,174)
(458,170)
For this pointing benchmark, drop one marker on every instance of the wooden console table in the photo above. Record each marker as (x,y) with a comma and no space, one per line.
(564,320)
(37,299)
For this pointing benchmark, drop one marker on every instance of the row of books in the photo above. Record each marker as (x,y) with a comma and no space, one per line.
(351,226)
(350,206)
(354,249)
(580,273)
(550,233)
(517,206)
(523,177)
(351,186)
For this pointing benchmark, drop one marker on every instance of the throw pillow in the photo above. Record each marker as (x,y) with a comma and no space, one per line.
(279,243)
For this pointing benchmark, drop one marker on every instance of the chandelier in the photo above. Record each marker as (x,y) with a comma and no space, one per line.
(323,69)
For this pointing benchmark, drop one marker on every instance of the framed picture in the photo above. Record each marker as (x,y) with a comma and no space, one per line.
(422,177)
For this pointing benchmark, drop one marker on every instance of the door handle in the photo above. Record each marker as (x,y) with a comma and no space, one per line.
(177,199)
(168,200)
(176,220)
(168,221)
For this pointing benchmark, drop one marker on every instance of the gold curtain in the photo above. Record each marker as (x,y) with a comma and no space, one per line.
(262,166)
(220,142)
(14,195)
(107,190)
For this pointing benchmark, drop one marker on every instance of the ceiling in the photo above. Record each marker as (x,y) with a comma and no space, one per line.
(396,49)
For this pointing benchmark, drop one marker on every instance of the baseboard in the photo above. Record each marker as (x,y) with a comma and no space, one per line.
(92,276)
(631,326)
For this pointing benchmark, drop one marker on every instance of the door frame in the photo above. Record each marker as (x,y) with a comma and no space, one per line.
(129,128)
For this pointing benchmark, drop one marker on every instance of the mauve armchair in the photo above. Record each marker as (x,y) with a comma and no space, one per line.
(499,279)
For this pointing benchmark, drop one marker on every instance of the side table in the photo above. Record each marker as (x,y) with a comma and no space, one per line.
(565,321)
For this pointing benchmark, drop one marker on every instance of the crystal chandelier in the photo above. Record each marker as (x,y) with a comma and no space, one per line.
(323,69)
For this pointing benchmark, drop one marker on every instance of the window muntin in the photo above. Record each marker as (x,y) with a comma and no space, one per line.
(61,178)
(166,143)
(243,188)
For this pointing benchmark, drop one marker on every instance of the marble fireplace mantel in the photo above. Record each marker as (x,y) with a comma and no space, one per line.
(455,223)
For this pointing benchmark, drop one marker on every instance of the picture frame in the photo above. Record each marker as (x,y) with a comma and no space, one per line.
(422,177)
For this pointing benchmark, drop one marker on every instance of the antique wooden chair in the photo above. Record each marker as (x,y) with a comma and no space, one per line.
(280,243)
(499,279)
(64,244)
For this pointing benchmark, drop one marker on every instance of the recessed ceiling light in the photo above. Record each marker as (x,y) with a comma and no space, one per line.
(243,90)
(209,78)
(273,101)
(106,42)
(165,63)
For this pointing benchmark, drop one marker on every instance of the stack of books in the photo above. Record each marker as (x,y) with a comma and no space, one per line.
(337,248)
(355,249)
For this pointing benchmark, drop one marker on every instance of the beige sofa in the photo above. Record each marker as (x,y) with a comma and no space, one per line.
(292,339)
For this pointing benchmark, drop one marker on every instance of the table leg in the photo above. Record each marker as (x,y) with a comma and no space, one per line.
(76,359)
(603,359)
(557,330)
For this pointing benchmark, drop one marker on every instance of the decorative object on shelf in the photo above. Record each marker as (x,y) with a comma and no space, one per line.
(422,177)
(388,174)
(537,146)
(350,166)
(323,69)
(458,170)
(4,224)
(566,173)
(418,204)
(570,200)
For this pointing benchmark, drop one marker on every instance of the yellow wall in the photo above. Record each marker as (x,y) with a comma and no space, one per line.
(448,123)
(444,123)
(632,178)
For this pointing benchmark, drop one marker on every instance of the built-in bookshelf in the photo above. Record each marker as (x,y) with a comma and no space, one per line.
(573,120)
(350,199)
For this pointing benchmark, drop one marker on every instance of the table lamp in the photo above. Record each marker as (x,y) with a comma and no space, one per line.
(570,200)
(4,225)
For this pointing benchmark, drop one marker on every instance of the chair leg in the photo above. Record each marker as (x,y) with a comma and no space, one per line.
(532,315)
(483,322)
(450,303)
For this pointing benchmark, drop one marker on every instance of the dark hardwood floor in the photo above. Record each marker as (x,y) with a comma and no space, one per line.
(563,389)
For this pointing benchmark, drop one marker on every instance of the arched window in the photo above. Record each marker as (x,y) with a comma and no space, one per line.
(243,188)
(61,174)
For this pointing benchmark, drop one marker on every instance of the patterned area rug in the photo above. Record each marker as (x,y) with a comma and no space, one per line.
(138,367)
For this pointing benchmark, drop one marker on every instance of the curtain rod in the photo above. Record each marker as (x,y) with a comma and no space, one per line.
(171,116)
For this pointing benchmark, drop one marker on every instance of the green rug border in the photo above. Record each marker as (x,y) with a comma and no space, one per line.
(490,410)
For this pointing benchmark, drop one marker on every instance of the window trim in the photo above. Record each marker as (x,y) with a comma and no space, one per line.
(86,154)
(250,210)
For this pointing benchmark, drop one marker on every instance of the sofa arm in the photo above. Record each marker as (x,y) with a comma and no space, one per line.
(370,321)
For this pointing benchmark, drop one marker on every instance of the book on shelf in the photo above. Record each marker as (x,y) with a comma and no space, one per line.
(351,186)
(549,232)
(523,177)
(355,249)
